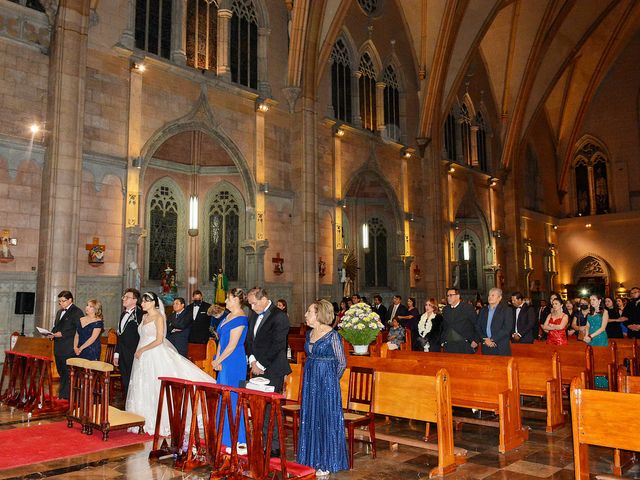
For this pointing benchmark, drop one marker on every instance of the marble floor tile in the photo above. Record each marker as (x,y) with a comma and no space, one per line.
(534,469)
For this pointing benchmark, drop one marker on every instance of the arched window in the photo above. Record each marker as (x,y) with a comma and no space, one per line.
(375,260)
(468,262)
(202,27)
(34,4)
(369,7)
(465,134)
(391,103)
(591,180)
(481,143)
(163,231)
(341,82)
(153,26)
(450,128)
(367,85)
(224,225)
(243,44)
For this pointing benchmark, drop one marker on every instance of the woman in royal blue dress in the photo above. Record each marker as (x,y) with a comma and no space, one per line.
(86,342)
(322,445)
(231,359)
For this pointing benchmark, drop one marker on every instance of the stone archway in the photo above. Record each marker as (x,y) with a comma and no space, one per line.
(591,274)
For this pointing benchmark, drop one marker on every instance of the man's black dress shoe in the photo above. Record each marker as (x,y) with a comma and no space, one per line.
(275,453)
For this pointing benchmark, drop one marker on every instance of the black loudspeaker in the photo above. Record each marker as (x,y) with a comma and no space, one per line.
(25,302)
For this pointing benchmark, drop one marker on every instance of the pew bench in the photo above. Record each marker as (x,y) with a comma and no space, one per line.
(603,418)
(484,383)
(628,351)
(623,459)
(392,388)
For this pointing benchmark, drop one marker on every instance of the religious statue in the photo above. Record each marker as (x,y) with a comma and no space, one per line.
(168,286)
(322,268)
(222,285)
(5,253)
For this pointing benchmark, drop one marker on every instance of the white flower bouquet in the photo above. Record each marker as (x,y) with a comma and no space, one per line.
(360,325)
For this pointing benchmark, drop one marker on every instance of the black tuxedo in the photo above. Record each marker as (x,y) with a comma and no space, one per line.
(180,321)
(128,340)
(381,310)
(526,323)
(400,312)
(269,347)
(459,328)
(63,346)
(501,328)
(200,326)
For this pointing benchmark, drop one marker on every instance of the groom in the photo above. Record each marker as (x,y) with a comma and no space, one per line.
(266,347)
(128,337)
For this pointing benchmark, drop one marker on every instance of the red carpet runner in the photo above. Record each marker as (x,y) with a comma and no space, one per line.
(53,441)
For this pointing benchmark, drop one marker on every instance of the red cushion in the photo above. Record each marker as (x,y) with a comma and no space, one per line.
(293,468)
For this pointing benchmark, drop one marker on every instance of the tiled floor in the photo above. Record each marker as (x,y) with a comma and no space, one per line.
(544,455)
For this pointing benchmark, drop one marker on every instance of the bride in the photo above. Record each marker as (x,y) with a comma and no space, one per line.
(156,357)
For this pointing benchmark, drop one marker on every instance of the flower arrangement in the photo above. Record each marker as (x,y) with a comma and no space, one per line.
(360,325)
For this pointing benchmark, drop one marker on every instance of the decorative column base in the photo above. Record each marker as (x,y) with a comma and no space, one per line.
(254,252)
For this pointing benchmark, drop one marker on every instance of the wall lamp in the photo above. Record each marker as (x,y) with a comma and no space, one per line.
(137,162)
(409,217)
(138,67)
(450,168)
(263,187)
(497,234)
(342,203)
(262,105)
(406,152)
(493,182)
(338,131)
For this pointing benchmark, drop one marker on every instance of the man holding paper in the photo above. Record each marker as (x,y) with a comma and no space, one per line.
(64,330)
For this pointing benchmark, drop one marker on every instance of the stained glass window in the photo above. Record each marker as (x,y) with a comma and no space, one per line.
(368,6)
(450,137)
(163,231)
(202,28)
(391,103)
(367,84)
(153,26)
(224,226)
(465,134)
(375,260)
(244,44)
(591,179)
(341,82)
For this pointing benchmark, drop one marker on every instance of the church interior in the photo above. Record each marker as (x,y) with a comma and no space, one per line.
(317,148)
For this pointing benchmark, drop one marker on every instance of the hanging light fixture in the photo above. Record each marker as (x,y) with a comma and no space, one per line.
(466,254)
(365,235)
(193,216)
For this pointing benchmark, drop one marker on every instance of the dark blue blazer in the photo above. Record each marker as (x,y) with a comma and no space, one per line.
(501,328)
(180,321)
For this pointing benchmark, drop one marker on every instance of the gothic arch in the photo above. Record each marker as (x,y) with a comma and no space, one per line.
(201,119)
(370,48)
(245,223)
(591,265)
(181,201)
(354,57)
(262,13)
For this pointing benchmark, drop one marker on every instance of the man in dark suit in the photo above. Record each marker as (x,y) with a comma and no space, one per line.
(494,325)
(128,337)
(64,331)
(543,312)
(179,327)
(524,320)
(266,347)
(197,310)
(458,325)
(379,308)
(396,309)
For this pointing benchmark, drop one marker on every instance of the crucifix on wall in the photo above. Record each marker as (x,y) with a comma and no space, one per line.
(96,252)
(278,269)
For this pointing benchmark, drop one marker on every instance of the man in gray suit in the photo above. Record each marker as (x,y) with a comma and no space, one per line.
(494,325)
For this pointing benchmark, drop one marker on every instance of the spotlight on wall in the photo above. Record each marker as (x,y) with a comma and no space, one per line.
(137,162)
(263,187)
(338,130)
(34,128)
(262,105)
(341,203)
(409,216)
(588,225)
(555,227)
(406,152)
(138,67)
(493,182)
(450,167)
(497,234)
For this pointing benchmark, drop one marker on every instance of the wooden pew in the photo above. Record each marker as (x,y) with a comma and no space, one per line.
(628,348)
(537,377)
(605,364)
(202,355)
(296,343)
(576,359)
(392,388)
(603,418)
(622,459)
(485,383)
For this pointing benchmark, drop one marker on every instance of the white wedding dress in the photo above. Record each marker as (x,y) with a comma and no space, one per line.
(144,386)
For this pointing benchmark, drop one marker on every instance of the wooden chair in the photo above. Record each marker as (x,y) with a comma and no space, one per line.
(291,409)
(361,392)
(407,340)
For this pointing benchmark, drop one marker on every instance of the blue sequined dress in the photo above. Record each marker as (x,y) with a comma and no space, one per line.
(92,352)
(322,444)
(234,369)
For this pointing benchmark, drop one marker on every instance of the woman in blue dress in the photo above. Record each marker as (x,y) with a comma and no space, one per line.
(231,359)
(323,445)
(86,342)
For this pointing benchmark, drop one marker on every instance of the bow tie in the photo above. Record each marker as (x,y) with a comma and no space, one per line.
(196,304)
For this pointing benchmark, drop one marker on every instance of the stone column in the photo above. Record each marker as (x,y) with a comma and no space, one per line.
(133,273)
(263,74)
(128,39)
(474,145)
(254,252)
(179,32)
(380,125)
(223,69)
(592,191)
(62,173)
